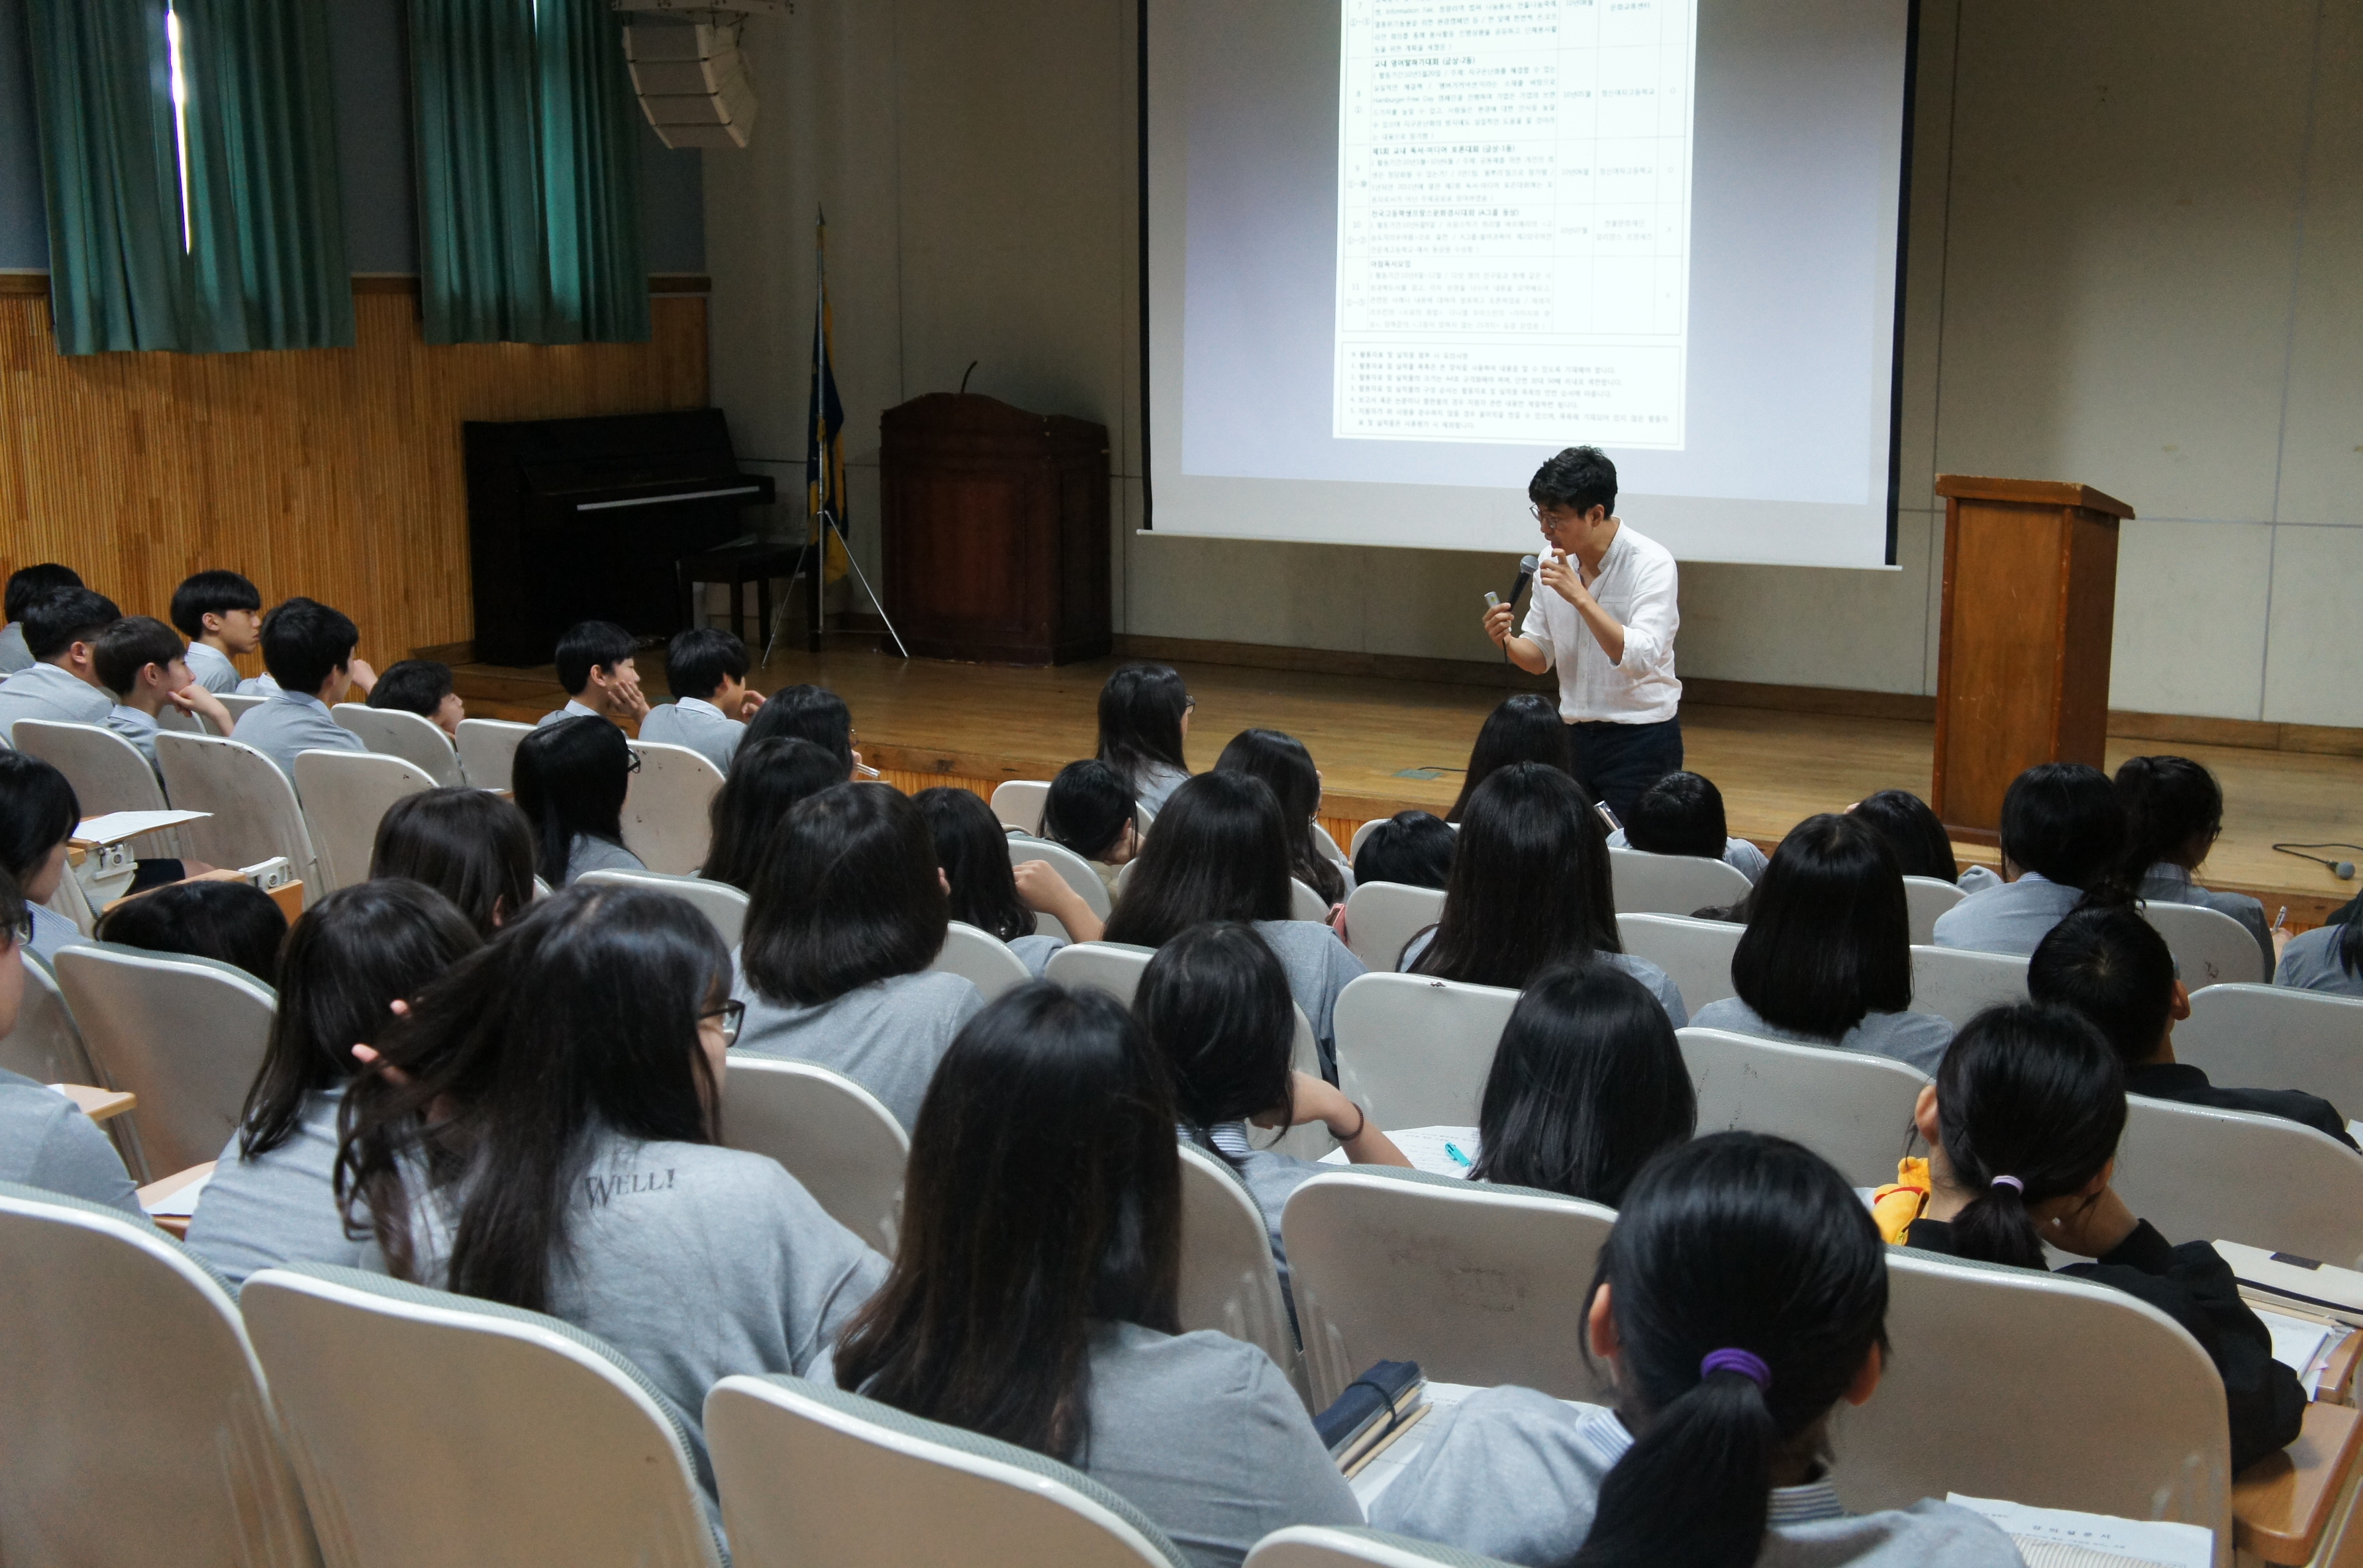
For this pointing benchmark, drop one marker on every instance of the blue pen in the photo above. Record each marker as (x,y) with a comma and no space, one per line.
(1463,1161)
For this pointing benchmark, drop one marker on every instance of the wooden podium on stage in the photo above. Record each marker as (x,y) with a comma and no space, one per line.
(2023,677)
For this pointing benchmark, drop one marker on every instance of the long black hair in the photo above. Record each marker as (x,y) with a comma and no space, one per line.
(2061,821)
(767,779)
(232,922)
(1140,721)
(1413,849)
(38,812)
(1282,761)
(1587,1084)
(1524,728)
(2032,1093)
(470,845)
(1044,1196)
(569,779)
(1216,1006)
(811,714)
(1921,845)
(973,851)
(1737,1242)
(1219,852)
(1087,808)
(352,955)
(2169,802)
(848,893)
(1829,937)
(581,1016)
(1529,882)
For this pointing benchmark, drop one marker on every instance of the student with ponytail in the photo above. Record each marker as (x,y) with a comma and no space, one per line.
(2174,812)
(1741,1297)
(2022,1126)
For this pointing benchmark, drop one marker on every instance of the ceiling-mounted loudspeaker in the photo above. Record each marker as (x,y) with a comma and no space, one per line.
(693,81)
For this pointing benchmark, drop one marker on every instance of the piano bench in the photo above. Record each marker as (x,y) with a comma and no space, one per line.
(739,565)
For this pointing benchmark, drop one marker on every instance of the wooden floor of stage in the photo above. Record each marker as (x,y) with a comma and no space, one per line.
(1371,737)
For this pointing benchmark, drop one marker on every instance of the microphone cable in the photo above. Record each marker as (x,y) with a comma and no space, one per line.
(2341,870)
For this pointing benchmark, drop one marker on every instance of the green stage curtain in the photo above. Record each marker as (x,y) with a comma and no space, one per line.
(590,167)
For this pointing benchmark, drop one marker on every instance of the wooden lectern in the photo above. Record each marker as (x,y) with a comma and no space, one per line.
(2023,677)
(995,531)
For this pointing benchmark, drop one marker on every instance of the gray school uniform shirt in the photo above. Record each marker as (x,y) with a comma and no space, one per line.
(279,1206)
(1269,1177)
(1915,1039)
(52,934)
(211,668)
(2310,963)
(1155,784)
(2010,917)
(1034,952)
(290,721)
(1318,967)
(573,710)
(1737,853)
(887,1036)
(48,691)
(587,852)
(47,1142)
(139,729)
(2167,883)
(697,724)
(1661,984)
(1516,1474)
(14,654)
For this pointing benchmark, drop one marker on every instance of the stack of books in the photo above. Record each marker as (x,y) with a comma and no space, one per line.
(1376,1408)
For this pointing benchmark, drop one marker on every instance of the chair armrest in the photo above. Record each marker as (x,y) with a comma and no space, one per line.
(289,896)
(98,1104)
(2337,1382)
(2282,1503)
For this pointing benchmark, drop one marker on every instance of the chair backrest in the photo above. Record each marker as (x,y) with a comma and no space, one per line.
(1383,917)
(1111,966)
(1416,1051)
(828,1133)
(1476,1283)
(431,1430)
(1849,1107)
(414,737)
(106,771)
(1326,1546)
(1071,868)
(45,1045)
(254,812)
(981,959)
(1230,1282)
(2210,947)
(487,747)
(1956,984)
(1018,802)
(813,1475)
(1327,848)
(184,1035)
(134,1423)
(668,818)
(2274,1037)
(2047,1390)
(1925,897)
(1694,953)
(2204,1175)
(344,795)
(239,706)
(1672,884)
(719,902)
(1354,847)
(1303,903)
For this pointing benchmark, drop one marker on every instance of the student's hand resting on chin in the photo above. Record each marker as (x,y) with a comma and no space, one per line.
(194,699)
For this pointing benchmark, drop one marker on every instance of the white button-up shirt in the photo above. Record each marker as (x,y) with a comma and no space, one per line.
(1637,586)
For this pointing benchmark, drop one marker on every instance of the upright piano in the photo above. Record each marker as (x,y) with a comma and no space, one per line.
(579,519)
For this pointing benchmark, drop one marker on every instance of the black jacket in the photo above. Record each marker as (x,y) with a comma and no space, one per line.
(2181,1081)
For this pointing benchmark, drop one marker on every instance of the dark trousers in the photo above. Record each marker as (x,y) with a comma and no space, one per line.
(1617,762)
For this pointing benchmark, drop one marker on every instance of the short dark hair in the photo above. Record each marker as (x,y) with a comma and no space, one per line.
(1679,814)
(697,661)
(38,812)
(210,593)
(972,848)
(1579,479)
(1523,728)
(2109,965)
(2061,821)
(1282,761)
(64,616)
(1215,1005)
(28,584)
(1412,848)
(1140,713)
(130,645)
(2168,801)
(1921,845)
(806,712)
(1530,882)
(413,686)
(569,779)
(305,642)
(847,894)
(588,645)
(232,922)
(1829,936)
(767,779)
(1219,851)
(470,845)
(1087,808)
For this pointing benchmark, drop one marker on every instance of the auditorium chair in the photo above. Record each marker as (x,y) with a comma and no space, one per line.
(45,1046)
(722,904)
(239,706)
(668,808)
(827,1132)
(1383,917)
(1303,903)
(344,794)
(107,774)
(253,810)
(1925,897)
(982,959)
(1073,869)
(1114,967)
(1956,984)
(414,737)
(1018,802)
(1414,1050)
(2276,1037)
(487,749)
(1694,953)
(1326,1546)
(2210,947)
(2201,1174)
(1849,1107)
(1230,1282)
(1673,884)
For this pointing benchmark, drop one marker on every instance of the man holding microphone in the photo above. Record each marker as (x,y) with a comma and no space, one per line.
(1603,611)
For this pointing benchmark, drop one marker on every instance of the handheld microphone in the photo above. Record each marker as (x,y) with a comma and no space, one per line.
(1525,576)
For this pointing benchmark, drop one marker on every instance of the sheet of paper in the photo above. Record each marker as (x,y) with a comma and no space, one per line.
(2298,1344)
(181,1201)
(2143,1541)
(1441,1151)
(2354,1131)
(118,826)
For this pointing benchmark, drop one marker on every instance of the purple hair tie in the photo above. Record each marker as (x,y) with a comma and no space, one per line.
(1747,1364)
(2011,1182)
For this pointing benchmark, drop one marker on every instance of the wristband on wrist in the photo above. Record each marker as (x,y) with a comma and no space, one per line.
(1363,1121)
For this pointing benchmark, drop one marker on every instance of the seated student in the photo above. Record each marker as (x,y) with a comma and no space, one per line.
(309,649)
(1143,723)
(1282,761)
(26,585)
(1826,957)
(227,921)
(1219,851)
(1683,815)
(1413,849)
(1726,1377)
(991,894)
(138,658)
(1587,1085)
(551,1144)
(1090,809)
(221,614)
(1048,1138)
(595,665)
(1530,888)
(569,779)
(848,912)
(1524,728)
(1922,846)
(61,684)
(1215,1007)
(273,1196)
(2328,958)
(37,815)
(470,845)
(421,686)
(767,779)
(2062,834)
(812,713)
(706,669)
(2022,1126)
(45,1139)
(2109,965)
(2174,812)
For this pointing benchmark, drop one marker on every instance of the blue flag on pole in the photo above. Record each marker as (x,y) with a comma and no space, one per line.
(825,425)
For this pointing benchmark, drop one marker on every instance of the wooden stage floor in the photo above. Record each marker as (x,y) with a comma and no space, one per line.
(1372,738)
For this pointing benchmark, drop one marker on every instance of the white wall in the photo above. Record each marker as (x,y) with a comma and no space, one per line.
(2136,260)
